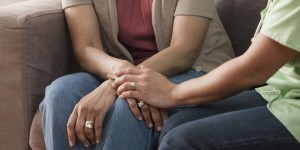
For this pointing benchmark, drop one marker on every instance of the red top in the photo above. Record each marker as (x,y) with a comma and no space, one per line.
(135,28)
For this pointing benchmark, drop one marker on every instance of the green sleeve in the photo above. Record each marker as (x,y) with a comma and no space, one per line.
(282,24)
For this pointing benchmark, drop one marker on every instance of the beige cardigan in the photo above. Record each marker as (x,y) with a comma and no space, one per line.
(216,49)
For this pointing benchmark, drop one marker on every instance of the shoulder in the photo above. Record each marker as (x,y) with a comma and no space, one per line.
(282,24)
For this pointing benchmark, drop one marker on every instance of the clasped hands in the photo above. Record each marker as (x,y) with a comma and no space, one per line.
(87,118)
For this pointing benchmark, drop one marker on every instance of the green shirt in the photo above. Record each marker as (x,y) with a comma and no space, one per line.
(281,22)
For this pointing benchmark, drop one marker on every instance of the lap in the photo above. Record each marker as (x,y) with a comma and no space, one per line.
(253,128)
(69,89)
(181,115)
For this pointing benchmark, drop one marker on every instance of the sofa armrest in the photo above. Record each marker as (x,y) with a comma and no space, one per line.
(34,50)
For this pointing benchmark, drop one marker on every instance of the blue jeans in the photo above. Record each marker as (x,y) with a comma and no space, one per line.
(121,130)
(241,122)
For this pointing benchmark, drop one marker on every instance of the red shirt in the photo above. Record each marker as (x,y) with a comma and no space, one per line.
(135,28)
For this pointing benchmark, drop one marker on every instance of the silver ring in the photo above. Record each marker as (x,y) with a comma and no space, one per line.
(89,124)
(141,104)
(132,86)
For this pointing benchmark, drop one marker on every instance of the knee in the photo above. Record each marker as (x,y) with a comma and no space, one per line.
(171,123)
(55,93)
(121,107)
(172,141)
(68,87)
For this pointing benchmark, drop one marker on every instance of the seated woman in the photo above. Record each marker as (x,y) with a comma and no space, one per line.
(176,38)
(227,116)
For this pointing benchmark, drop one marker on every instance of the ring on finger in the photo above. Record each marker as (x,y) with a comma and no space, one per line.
(132,86)
(141,104)
(89,124)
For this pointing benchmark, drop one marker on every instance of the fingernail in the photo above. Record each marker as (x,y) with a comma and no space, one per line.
(71,143)
(150,125)
(97,141)
(140,118)
(158,128)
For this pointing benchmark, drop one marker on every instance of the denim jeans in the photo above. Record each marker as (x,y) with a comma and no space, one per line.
(241,122)
(121,130)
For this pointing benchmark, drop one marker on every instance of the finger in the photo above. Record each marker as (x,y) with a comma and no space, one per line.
(79,130)
(147,115)
(132,71)
(132,94)
(155,115)
(164,115)
(98,127)
(123,79)
(89,132)
(71,128)
(126,87)
(135,109)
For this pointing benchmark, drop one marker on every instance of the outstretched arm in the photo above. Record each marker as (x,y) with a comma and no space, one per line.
(264,57)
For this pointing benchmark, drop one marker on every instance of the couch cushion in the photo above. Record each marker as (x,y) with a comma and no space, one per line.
(33,52)
(240,18)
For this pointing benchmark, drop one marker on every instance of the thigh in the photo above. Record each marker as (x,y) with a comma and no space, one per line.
(253,128)
(60,98)
(121,130)
(66,91)
(181,115)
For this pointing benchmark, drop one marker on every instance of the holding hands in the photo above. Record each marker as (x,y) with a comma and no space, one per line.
(150,86)
(86,120)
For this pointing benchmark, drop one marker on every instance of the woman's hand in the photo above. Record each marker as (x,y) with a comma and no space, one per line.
(92,107)
(151,115)
(151,87)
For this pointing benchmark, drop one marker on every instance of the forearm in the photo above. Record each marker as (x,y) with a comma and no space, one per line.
(99,63)
(221,83)
(253,68)
(85,33)
(188,36)
(171,60)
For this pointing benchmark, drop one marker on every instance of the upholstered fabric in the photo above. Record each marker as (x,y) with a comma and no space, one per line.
(240,18)
(33,52)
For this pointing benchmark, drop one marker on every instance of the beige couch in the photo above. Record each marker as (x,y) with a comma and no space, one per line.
(35,49)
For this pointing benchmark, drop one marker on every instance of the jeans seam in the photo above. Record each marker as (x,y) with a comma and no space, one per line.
(149,141)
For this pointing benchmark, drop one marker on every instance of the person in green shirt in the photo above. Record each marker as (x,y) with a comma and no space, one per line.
(227,115)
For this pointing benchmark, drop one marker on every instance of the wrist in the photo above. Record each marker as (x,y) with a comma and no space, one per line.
(108,86)
(173,96)
(120,64)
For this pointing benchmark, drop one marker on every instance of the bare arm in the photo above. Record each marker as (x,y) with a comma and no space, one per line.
(264,57)
(85,34)
(188,35)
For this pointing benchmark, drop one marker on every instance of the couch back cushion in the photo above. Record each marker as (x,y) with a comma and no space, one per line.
(240,19)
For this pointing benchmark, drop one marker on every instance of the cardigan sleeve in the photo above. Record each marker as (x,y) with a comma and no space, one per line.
(70,3)
(203,8)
